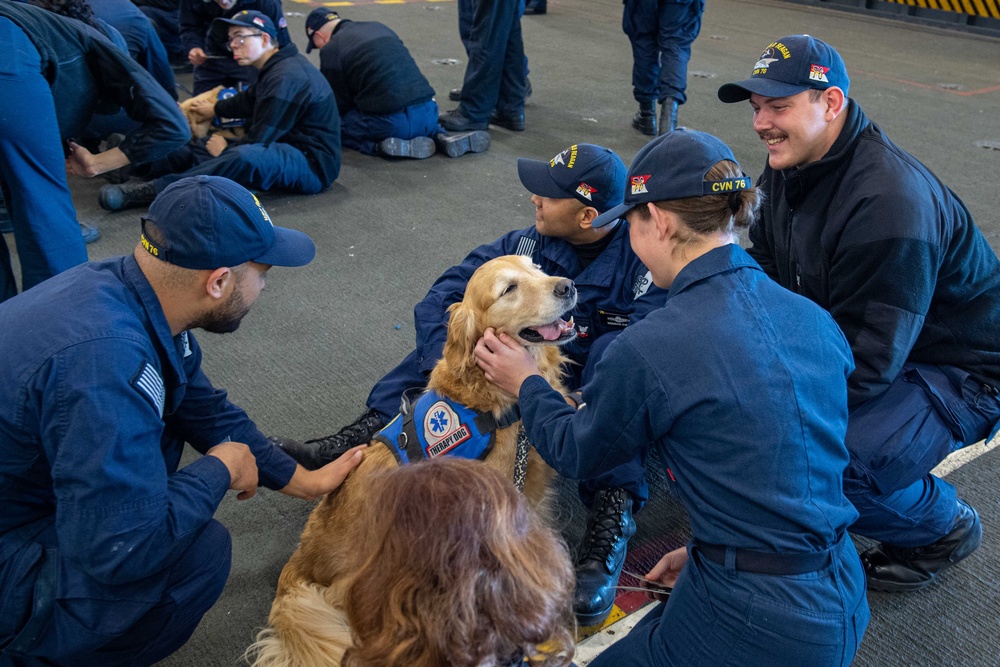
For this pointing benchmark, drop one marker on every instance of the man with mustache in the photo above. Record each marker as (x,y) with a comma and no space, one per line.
(865,230)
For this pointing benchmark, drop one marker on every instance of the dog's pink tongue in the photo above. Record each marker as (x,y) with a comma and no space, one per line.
(550,331)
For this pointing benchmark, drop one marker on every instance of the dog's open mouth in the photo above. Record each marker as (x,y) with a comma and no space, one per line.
(553,333)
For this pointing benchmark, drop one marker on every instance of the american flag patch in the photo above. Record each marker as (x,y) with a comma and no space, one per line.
(148,382)
(526,246)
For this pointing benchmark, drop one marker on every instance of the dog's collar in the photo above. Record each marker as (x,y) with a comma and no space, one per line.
(430,425)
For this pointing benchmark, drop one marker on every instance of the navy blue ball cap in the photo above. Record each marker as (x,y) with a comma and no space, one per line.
(673,166)
(789,66)
(207,222)
(594,175)
(219,30)
(318,18)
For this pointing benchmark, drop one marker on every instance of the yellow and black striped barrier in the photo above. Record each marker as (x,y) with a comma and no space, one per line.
(984,8)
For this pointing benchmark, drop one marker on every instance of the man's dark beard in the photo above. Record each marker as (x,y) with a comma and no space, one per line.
(226,317)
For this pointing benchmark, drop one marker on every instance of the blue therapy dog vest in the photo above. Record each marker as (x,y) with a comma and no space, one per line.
(434,426)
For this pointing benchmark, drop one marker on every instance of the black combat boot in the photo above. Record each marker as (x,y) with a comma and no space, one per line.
(314,454)
(644,119)
(601,555)
(896,569)
(126,195)
(668,116)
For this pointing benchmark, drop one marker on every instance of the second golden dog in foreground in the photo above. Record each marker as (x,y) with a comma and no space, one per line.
(488,596)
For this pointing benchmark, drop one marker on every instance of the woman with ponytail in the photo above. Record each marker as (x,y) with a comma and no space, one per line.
(741,386)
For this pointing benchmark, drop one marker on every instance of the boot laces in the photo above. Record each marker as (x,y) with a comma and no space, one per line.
(604,527)
(358,432)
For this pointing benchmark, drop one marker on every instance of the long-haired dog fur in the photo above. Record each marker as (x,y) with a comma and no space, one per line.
(338,567)
(201,127)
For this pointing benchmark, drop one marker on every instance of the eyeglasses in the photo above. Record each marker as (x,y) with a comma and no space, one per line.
(238,40)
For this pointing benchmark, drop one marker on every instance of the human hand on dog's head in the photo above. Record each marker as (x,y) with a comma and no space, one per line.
(505,362)
(205,109)
(311,484)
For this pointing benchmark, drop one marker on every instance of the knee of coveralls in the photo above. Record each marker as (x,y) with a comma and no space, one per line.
(362,131)
(33,166)
(896,438)
(222,72)
(640,23)
(679,25)
(387,393)
(79,621)
(193,587)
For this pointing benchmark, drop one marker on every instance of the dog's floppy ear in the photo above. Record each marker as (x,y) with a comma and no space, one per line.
(463,334)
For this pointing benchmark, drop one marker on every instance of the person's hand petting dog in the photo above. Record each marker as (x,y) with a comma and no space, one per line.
(311,484)
(505,362)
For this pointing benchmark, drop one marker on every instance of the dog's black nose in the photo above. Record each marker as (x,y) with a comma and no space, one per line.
(565,288)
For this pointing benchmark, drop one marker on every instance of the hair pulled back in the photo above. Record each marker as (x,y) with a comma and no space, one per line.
(710,214)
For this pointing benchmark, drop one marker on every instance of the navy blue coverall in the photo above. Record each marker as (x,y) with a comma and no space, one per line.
(742,388)
(661,33)
(614,290)
(380,91)
(60,71)
(292,139)
(144,44)
(165,17)
(109,554)
(220,69)
(875,238)
(495,77)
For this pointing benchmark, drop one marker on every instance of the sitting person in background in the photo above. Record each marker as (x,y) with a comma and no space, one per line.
(490,586)
(213,65)
(292,139)
(386,105)
(55,75)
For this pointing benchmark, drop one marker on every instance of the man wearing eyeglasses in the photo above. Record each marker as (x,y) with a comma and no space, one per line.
(213,65)
(292,140)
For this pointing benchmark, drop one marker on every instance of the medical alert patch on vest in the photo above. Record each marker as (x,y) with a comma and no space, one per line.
(441,426)
(442,430)
(147,381)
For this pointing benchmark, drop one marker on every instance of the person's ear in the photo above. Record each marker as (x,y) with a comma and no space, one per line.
(834,101)
(586,217)
(218,282)
(665,222)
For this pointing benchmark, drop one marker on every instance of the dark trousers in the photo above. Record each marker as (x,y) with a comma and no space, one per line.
(362,131)
(255,166)
(896,438)
(466,12)
(495,75)
(75,620)
(167,24)
(140,35)
(720,616)
(415,369)
(33,170)
(661,33)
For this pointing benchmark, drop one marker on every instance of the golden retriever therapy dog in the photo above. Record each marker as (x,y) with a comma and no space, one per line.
(307,624)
